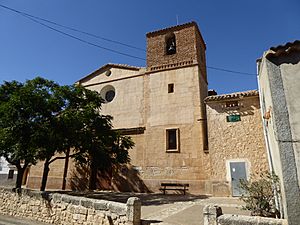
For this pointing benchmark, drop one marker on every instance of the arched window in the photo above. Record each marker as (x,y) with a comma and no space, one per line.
(170,44)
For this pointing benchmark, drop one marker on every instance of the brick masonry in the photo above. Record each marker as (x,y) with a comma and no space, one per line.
(189,47)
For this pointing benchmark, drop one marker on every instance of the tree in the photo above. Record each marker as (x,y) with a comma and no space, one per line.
(102,146)
(81,127)
(39,119)
(62,132)
(22,108)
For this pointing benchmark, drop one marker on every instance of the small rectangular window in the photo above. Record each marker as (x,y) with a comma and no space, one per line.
(233,118)
(170,88)
(172,142)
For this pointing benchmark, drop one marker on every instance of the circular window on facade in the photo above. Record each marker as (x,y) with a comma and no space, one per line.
(108,93)
(108,73)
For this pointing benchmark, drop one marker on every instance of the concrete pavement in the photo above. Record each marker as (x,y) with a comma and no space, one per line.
(188,212)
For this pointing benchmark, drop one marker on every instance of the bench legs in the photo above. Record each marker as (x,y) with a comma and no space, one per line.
(165,189)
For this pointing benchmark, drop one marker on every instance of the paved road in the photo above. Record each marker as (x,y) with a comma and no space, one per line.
(9,220)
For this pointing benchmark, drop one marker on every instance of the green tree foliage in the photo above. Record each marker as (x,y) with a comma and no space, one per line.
(39,119)
(23,108)
(260,195)
(101,146)
(65,130)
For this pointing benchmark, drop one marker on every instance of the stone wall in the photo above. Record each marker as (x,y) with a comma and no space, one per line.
(241,141)
(212,215)
(64,209)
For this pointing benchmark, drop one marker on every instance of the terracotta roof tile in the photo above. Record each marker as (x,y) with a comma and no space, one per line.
(235,95)
(285,49)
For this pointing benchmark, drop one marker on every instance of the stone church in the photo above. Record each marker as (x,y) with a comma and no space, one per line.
(180,133)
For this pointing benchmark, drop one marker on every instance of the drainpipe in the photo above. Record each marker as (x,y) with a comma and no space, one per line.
(278,202)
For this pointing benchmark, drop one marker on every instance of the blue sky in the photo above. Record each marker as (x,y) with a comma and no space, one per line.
(236,34)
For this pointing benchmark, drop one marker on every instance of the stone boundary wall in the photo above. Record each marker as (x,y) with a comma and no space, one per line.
(64,209)
(213,216)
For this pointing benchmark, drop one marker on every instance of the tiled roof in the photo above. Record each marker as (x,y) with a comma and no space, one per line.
(284,49)
(235,95)
(109,65)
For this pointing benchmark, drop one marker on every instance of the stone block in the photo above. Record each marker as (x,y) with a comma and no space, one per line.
(133,210)
(71,199)
(118,208)
(101,205)
(210,214)
(88,203)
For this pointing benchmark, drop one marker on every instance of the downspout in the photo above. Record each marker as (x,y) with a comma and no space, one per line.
(278,202)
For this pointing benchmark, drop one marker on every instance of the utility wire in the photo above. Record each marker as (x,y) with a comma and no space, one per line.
(73,29)
(231,71)
(36,20)
(79,39)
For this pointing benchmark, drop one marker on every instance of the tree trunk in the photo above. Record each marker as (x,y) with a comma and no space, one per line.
(45,174)
(20,176)
(66,170)
(93,174)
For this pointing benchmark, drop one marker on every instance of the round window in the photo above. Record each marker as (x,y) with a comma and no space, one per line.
(108,73)
(108,93)
(109,96)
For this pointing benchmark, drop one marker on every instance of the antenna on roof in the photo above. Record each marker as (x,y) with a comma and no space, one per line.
(177,19)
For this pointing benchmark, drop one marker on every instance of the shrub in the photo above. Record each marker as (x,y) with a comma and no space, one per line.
(259,195)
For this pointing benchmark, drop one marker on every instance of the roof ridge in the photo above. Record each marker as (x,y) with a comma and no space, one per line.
(122,66)
(239,94)
(172,27)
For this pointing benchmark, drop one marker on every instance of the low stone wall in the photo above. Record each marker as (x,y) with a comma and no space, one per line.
(213,216)
(64,209)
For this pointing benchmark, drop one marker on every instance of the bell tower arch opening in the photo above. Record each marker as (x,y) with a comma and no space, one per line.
(170,42)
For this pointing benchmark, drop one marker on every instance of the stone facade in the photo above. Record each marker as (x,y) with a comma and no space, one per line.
(144,102)
(163,103)
(63,209)
(55,179)
(240,141)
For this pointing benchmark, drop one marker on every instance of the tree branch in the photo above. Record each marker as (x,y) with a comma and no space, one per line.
(63,157)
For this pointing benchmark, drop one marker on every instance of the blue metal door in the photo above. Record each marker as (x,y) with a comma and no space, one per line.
(238,172)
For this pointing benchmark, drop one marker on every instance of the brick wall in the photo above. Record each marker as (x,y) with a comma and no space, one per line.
(189,46)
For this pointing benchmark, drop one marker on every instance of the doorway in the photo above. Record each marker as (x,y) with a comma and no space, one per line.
(237,173)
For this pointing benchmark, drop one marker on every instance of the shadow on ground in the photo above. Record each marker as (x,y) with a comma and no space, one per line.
(146,198)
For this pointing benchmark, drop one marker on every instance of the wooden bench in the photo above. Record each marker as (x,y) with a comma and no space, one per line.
(174,187)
